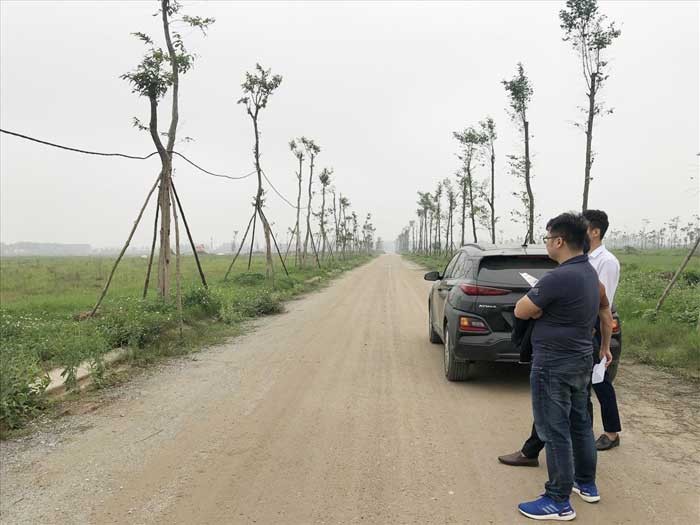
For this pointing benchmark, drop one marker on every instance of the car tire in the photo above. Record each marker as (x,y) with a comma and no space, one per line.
(454,370)
(432,334)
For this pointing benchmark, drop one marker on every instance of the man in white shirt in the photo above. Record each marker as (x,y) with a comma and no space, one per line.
(608,268)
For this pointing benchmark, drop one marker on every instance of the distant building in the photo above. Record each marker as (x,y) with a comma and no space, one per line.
(47,249)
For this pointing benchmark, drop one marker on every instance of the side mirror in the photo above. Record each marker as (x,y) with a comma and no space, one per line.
(432,276)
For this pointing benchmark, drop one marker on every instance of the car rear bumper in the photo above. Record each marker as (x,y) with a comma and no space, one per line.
(498,347)
(489,347)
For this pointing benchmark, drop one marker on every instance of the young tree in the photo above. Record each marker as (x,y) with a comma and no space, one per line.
(451,205)
(343,205)
(586,28)
(158,71)
(520,92)
(436,213)
(335,220)
(425,201)
(471,142)
(325,178)
(488,130)
(257,89)
(299,154)
(311,151)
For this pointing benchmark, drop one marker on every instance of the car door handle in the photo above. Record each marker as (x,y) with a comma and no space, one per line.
(447,287)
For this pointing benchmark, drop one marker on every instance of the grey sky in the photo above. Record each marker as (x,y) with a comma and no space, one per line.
(379,86)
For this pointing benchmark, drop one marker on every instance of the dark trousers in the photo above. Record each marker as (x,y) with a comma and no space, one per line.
(560,398)
(534,445)
(605,392)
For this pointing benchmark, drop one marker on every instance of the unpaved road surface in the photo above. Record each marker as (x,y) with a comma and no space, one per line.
(338,412)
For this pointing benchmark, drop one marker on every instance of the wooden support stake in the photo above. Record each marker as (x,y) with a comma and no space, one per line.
(153,249)
(126,245)
(189,235)
(178,273)
(240,247)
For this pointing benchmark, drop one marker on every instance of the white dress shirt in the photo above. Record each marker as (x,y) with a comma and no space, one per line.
(607,267)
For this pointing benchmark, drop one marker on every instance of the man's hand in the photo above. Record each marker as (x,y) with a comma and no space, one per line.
(605,352)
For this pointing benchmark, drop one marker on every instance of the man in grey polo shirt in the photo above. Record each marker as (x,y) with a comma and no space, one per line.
(565,304)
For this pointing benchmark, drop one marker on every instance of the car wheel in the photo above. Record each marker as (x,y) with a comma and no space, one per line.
(454,370)
(432,334)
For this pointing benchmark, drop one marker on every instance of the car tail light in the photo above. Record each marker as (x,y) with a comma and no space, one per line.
(472,289)
(616,326)
(472,325)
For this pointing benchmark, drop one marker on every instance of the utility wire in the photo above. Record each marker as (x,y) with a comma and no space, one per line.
(123,155)
(76,149)
(280,195)
(209,172)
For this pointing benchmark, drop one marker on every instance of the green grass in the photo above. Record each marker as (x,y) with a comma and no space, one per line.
(40,299)
(669,339)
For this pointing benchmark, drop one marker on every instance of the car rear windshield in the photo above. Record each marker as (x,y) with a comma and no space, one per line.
(507,270)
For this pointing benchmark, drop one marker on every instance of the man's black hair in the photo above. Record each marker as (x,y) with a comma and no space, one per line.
(597,219)
(572,227)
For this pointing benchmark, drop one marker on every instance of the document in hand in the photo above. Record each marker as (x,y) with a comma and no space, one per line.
(532,281)
(599,371)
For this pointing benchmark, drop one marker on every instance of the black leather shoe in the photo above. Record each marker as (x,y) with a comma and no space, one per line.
(518,459)
(605,443)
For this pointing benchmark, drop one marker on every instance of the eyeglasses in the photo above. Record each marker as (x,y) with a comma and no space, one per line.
(545,239)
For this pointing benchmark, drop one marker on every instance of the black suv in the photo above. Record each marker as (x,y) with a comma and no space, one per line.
(470,307)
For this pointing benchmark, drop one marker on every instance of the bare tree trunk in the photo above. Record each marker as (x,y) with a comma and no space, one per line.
(163,204)
(335,222)
(323,226)
(297,258)
(308,212)
(269,270)
(471,202)
(492,204)
(675,277)
(430,235)
(126,245)
(530,196)
(589,141)
(464,206)
(164,258)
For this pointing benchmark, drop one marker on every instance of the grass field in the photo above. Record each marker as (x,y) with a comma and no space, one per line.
(40,298)
(670,339)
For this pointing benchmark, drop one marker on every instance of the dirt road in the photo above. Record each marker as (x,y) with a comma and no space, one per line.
(338,412)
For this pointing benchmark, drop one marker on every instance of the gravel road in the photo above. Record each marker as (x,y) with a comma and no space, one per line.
(337,411)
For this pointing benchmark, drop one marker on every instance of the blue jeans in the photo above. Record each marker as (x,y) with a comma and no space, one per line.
(559,405)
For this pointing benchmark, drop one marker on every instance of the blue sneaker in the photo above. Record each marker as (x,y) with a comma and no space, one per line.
(545,508)
(587,491)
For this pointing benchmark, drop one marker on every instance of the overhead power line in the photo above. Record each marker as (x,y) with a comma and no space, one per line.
(123,155)
(280,195)
(209,172)
(101,154)
(137,157)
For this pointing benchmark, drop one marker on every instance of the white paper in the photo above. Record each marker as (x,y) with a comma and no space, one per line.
(532,281)
(599,371)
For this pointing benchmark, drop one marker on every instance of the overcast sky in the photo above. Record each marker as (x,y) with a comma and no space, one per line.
(379,86)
